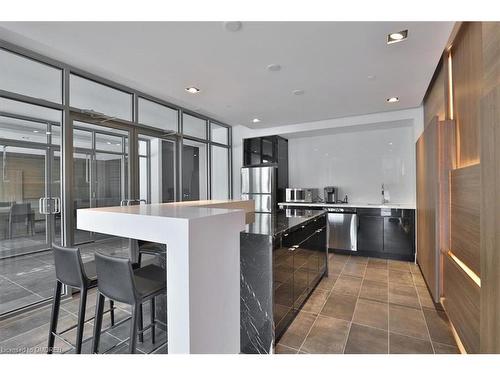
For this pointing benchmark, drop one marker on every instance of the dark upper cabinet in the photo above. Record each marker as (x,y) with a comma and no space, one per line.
(252,152)
(265,150)
(371,233)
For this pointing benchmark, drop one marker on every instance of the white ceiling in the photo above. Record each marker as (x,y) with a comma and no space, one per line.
(330,61)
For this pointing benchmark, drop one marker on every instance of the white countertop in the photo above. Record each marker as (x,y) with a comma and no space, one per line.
(402,206)
(188,210)
(203,265)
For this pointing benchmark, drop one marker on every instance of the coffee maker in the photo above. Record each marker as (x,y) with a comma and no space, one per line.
(331,193)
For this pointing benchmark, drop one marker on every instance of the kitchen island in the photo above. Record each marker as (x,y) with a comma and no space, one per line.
(283,257)
(203,265)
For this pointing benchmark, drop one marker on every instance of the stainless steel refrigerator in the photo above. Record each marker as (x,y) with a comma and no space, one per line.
(259,184)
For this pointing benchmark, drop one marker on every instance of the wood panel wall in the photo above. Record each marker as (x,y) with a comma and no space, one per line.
(427,199)
(435,158)
(462,304)
(435,98)
(467,82)
(490,190)
(465,219)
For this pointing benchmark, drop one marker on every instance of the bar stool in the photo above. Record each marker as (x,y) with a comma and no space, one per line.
(157,250)
(71,271)
(119,282)
(150,248)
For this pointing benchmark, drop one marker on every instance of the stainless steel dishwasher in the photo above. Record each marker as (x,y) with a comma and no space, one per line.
(343,228)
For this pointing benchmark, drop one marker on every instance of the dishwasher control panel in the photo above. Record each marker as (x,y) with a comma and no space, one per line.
(347,210)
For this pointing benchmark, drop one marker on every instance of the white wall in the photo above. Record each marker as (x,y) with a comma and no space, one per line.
(357,161)
(410,119)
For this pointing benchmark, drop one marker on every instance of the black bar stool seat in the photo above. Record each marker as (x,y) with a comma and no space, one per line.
(71,271)
(150,281)
(151,248)
(118,281)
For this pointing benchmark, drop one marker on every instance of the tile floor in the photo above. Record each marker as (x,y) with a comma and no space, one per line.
(27,279)
(369,306)
(28,332)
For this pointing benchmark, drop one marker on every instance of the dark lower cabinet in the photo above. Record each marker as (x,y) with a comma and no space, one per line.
(299,262)
(370,233)
(387,233)
(397,236)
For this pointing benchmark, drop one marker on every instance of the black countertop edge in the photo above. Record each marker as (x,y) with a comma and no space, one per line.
(273,224)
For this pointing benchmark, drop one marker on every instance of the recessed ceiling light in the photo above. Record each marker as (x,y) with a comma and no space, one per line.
(274,67)
(192,90)
(36,131)
(371,77)
(397,37)
(48,133)
(298,92)
(232,26)
(255,120)
(108,143)
(394,99)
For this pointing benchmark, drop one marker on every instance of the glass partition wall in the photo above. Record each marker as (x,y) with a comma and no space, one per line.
(70,140)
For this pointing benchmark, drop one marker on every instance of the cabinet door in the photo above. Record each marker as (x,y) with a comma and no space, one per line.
(321,246)
(252,152)
(371,233)
(300,274)
(283,302)
(269,150)
(397,236)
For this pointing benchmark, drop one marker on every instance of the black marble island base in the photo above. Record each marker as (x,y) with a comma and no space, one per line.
(283,257)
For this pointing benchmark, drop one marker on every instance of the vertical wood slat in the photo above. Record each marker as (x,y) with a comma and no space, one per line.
(465,216)
(435,99)
(490,190)
(467,80)
(435,158)
(462,304)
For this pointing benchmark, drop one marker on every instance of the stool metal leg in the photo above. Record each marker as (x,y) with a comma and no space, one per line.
(153,320)
(99,309)
(81,320)
(112,312)
(133,327)
(141,324)
(54,317)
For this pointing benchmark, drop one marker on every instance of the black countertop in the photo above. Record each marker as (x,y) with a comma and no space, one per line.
(280,221)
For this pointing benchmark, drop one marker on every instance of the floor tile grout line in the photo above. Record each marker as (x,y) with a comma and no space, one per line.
(69,312)
(19,285)
(324,303)
(388,313)
(423,316)
(288,347)
(355,306)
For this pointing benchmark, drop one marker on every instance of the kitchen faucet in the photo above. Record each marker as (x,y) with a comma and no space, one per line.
(384,199)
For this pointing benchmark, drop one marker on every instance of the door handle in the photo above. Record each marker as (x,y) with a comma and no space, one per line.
(41,205)
(57,205)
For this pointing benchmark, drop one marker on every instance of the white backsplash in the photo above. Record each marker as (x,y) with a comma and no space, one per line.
(357,162)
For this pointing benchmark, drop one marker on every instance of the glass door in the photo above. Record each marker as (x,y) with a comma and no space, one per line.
(22,191)
(100,163)
(157,183)
(29,210)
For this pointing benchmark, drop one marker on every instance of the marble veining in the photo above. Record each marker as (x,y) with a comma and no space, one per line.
(272,224)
